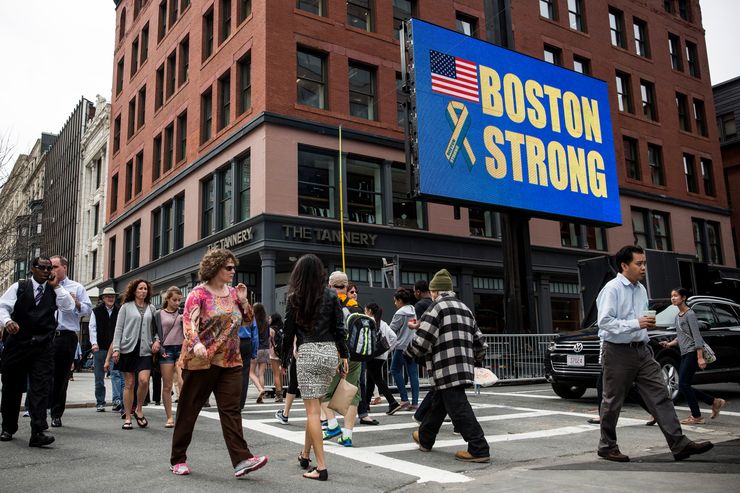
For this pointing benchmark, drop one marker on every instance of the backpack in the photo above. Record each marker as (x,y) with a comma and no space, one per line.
(277,341)
(364,338)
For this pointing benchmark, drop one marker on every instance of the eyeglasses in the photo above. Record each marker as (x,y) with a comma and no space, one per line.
(354,291)
(230,267)
(47,268)
(339,286)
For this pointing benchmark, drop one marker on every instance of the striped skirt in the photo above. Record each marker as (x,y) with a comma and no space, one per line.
(315,367)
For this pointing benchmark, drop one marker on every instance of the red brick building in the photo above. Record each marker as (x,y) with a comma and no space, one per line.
(225,131)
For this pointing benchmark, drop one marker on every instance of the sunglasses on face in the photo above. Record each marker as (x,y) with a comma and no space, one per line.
(47,268)
(353,292)
(339,286)
(230,268)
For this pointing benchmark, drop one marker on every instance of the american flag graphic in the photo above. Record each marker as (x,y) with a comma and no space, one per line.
(454,76)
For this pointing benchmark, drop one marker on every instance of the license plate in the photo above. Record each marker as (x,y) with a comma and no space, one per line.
(576,360)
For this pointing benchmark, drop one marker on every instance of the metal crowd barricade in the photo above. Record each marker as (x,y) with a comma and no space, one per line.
(512,357)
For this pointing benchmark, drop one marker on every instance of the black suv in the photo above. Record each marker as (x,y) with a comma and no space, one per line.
(572,359)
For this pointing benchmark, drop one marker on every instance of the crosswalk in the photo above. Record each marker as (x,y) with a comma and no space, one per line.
(375,444)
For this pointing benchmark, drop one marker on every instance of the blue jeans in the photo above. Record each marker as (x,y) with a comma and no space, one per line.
(689,366)
(116,381)
(99,362)
(398,363)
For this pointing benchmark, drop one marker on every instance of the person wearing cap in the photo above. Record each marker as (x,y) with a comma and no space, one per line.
(102,327)
(449,336)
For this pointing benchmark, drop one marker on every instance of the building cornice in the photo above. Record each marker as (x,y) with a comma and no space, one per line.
(664,199)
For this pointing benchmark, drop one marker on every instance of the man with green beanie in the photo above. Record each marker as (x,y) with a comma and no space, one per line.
(449,337)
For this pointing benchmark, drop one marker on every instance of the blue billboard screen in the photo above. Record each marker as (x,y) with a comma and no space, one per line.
(500,128)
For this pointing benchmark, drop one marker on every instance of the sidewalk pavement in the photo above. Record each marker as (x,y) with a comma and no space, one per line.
(81,390)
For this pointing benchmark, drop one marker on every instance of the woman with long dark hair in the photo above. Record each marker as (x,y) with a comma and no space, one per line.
(314,319)
(689,340)
(259,364)
(134,342)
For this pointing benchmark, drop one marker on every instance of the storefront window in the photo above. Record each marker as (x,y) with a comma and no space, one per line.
(489,312)
(316,184)
(407,213)
(364,194)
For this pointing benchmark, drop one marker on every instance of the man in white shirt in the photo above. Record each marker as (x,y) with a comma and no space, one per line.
(66,338)
(102,327)
(27,314)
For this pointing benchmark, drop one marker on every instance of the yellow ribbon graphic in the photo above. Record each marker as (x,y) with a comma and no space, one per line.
(457,116)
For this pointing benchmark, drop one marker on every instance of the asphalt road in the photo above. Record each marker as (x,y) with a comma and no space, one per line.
(539,442)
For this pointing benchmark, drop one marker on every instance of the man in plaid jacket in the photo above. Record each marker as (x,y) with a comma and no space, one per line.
(449,337)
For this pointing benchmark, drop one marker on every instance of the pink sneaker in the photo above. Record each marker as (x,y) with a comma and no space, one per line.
(181,469)
(248,465)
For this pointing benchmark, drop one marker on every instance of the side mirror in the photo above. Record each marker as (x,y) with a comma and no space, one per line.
(703,325)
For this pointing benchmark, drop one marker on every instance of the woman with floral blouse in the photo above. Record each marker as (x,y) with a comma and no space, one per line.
(211,361)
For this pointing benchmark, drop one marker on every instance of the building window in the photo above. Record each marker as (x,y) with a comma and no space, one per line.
(364,191)
(574,235)
(162,20)
(114,193)
(225,13)
(98,172)
(616,27)
(172,13)
(224,100)
(129,184)
(631,158)
(668,6)
(484,223)
(156,157)
(244,73)
(119,76)
(655,160)
(548,10)
(402,10)
(157,233)
(582,65)
(122,26)
(674,49)
(359,14)
(311,78)
(689,170)
(243,171)
(96,218)
(707,176)
(225,195)
(317,181)
(182,136)
(171,73)
(179,221)
(93,264)
(159,88)
(727,127)
(707,240)
(206,111)
(400,102)
(134,56)
(362,91)
(131,117)
(112,257)
(144,53)
(169,146)
(314,6)
(184,4)
(407,213)
(117,134)
(244,10)
(184,67)
(208,194)
(552,55)
(131,236)
(700,117)
(692,59)
(139,176)
(651,229)
(624,94)
(168,223)
(647,93)
(466,25)
(208,34)
(141,118)
(576,19)
(642,44)
(682,104)
(684,9)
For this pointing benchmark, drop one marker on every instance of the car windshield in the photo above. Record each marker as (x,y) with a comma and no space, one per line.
(667,317)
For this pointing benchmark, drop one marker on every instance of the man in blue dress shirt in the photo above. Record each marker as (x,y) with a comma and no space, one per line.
(627,359)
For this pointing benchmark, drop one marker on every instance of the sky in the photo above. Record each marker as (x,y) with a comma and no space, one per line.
(54,52)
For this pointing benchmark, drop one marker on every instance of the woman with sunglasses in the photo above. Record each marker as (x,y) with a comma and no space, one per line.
(211,361)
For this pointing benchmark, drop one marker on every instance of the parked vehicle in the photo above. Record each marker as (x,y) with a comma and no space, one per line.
(572,359)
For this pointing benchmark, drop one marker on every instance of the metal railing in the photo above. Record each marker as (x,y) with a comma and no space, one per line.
(512,357)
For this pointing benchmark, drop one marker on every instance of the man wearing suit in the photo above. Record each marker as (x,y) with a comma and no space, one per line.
(27,313)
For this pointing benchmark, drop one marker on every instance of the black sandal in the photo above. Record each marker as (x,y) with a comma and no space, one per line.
(141,421)
(323,474)
(127,426)
(303,461)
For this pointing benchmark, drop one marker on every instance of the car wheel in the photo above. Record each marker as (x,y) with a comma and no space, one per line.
(568,391)
(669,368)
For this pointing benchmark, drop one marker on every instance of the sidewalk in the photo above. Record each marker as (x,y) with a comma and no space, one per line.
(81,390)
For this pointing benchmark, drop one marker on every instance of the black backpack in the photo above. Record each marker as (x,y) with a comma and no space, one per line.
(364,339)
(277,341)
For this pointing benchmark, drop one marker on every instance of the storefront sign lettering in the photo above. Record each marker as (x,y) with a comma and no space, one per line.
(331,236)
(233,240)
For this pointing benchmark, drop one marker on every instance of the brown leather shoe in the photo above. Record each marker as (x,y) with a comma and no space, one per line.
(415,436)
(466,456)
(693,448)
(716,406)
(613,455)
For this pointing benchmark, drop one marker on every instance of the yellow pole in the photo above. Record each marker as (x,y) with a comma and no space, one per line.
(341,199)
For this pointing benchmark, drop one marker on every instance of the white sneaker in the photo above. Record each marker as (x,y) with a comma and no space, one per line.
(280,417)
(249,465)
